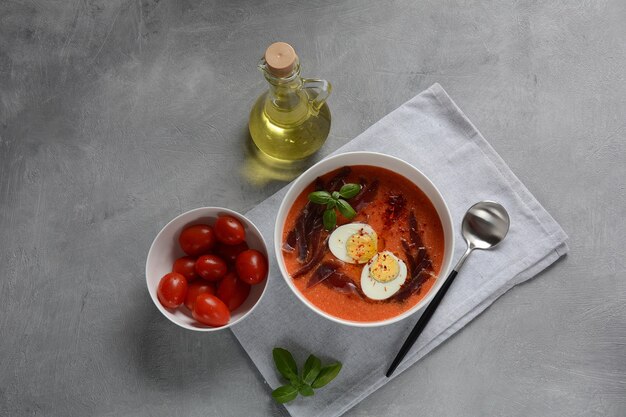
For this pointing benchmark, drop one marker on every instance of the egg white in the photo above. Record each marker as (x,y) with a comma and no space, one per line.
(339,238)
(380,291)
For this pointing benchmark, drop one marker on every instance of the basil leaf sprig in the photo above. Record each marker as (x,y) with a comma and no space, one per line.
(336,199)
(313,375)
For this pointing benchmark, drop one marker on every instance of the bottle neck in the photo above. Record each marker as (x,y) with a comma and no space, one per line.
(287,101)
(284,92)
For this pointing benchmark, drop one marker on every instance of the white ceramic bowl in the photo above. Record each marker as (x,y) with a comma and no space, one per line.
(380,160)
(165,250)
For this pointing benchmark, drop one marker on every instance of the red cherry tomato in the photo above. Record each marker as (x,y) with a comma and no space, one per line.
(251,266)
(210,310)
(186,266)
(211,267)
(229,230)
(195,289)
(229,252)
(232,291)
(197,239)
(172,290)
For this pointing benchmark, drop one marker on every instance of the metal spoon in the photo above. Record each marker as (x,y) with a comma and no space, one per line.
(484,226)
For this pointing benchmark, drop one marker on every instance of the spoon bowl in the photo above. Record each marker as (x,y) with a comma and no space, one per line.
(485,225)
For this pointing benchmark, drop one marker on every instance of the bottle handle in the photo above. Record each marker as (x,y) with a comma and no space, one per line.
(323,88)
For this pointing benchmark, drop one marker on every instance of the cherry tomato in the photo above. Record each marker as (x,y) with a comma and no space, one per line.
(186,266)
(172,290)
(251,266)
(232,291)
(229,230)
(195,289)
(211,267)
(229,252)
(210,310)
(197,239)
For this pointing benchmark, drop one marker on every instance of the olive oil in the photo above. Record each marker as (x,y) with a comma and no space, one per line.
(291,140)
(291,120)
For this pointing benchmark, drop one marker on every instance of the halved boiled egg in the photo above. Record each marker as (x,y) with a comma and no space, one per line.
(354,243)
(383,276)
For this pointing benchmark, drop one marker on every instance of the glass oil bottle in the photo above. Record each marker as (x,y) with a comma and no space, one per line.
(291,120)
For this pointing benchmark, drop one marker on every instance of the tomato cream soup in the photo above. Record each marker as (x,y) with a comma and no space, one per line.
(374,266)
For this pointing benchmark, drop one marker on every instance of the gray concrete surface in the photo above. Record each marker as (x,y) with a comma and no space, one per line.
(117,115)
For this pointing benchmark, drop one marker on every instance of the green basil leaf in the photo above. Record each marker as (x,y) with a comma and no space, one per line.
(285,364)
(285,394)
(345,209)
(298,384)
(330,219)
(349,190)
(331,204)
(327,374)
(306,390)
(336,195)
(320,197)
(311,370)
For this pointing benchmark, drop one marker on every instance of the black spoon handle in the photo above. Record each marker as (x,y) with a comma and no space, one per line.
(421,323)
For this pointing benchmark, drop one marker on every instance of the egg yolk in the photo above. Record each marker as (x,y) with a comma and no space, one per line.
(361,247)
(385,268)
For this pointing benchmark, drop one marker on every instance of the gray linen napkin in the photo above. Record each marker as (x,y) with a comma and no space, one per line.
(432,133)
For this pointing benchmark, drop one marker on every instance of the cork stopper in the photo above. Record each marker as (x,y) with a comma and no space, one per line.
(281,59)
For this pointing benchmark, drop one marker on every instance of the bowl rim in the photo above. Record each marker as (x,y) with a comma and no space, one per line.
(233,213)
(283,211)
